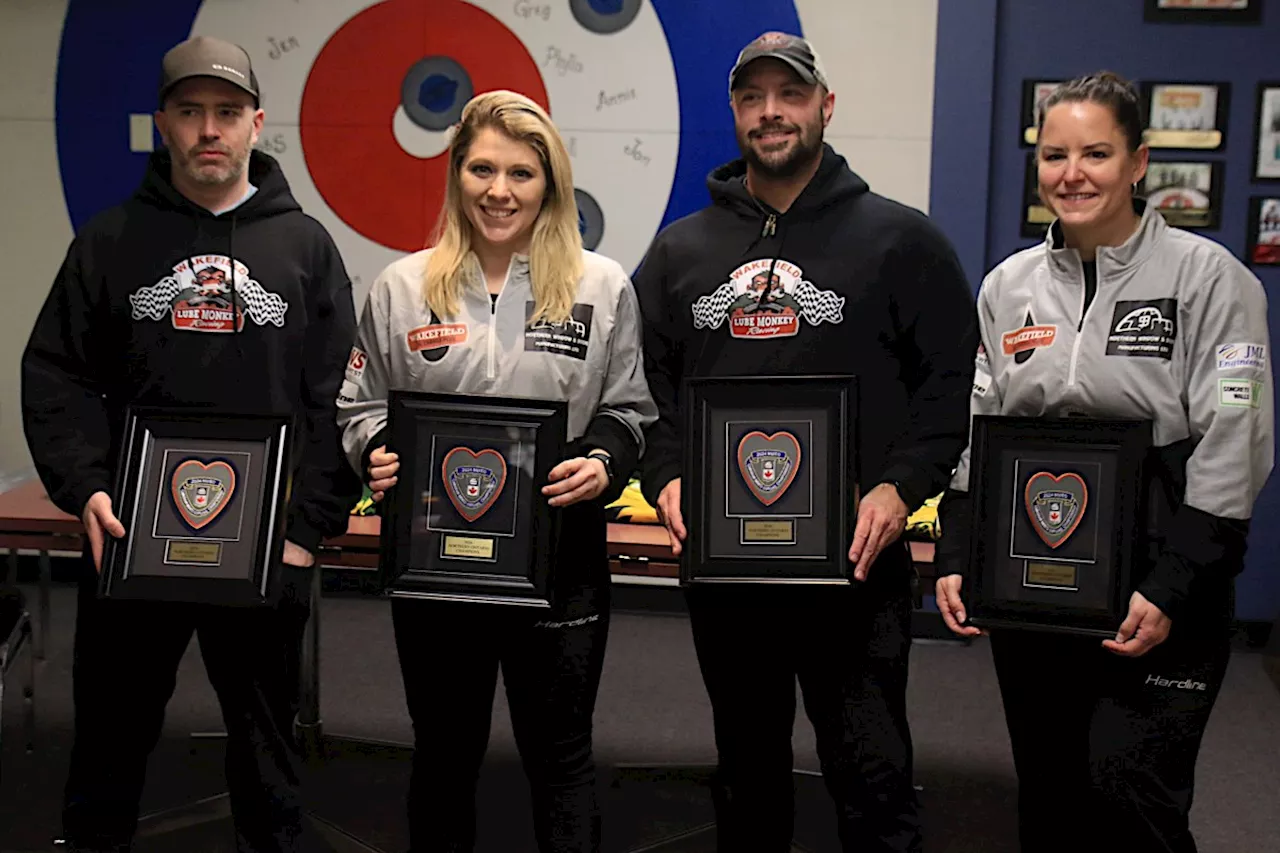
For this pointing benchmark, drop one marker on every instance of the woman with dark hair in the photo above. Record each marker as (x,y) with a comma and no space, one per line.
(1105,735)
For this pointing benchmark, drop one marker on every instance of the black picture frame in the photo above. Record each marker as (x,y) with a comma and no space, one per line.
(1036,215)
(740,532)
(203,497)
(1266,131)
(1157,13)
(1168,198)
(499,546)
(1262,253)
(1203,139)
(1030,102)
(1101,465)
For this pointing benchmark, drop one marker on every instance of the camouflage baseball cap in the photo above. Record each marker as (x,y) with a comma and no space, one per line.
(793,50)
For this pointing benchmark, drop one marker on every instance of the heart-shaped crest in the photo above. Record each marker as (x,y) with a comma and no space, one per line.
(202,491)
(1056,505)
(768,463)
(474,480)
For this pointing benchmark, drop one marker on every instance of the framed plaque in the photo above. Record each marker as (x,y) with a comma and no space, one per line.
(1266,132)
(1188,194)
(1203,11)
(1186,115)
(769,480)
(1033,94)
(1264,231)
(1058,510)
(467,520)
(202,496)
(1036,216)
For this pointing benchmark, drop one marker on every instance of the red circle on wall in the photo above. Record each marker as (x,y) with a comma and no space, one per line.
(353,91)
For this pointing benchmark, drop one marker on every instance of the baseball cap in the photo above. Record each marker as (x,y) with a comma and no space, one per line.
(204,56)
(793,50)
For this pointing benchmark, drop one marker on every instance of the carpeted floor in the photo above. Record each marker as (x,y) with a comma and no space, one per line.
(652,711)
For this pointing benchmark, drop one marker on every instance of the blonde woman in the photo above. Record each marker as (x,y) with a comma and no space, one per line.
(468,315)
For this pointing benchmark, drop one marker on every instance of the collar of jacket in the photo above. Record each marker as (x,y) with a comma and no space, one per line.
(1066,263)
(517,272)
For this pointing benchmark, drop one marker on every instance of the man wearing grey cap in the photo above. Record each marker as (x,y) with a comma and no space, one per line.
(210,289)
(798,268)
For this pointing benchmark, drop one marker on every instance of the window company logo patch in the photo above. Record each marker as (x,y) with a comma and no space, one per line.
(767,298)
(1240,393)
(1144,328)
(1236,356)
(1022,343)
(571,338)
(204,294)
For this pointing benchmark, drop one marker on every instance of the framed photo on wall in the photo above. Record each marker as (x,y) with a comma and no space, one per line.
(1264,231)
(1033,94)
(1036,216)
(1186,115)
(1267,133)
(1204,11)
(1188,194)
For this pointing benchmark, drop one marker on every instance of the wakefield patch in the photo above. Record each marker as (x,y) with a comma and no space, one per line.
(1145,328)
(1027,339)
(759,303)
(435,336)
(205,294)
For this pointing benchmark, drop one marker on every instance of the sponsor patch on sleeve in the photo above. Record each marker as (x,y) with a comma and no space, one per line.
(1237,356)
(355,364)
(1240,393)
(981,372)
(347,393)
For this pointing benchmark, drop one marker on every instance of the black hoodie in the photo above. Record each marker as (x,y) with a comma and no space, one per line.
(145,310)
(860,285)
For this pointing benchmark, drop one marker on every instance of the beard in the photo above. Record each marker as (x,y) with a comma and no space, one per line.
(782,159)
(211,174)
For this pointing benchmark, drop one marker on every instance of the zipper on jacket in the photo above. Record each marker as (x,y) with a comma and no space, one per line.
(490,366)
(1084,311)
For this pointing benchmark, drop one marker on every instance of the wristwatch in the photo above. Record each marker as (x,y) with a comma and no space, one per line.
(603,456)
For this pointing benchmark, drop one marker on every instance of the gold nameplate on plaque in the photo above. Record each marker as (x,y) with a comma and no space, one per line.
(1051,574)
(1184,138)
(183,551)
(470,547)
(768,531)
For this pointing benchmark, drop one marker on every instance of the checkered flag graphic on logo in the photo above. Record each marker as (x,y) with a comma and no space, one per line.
(152,303)
(263,307)
(819,305)
(711,310)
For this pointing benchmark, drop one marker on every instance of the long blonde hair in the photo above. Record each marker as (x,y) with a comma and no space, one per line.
(555,251)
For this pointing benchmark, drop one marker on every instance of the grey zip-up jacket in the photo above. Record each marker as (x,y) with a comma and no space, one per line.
(593,361)
(1176,333)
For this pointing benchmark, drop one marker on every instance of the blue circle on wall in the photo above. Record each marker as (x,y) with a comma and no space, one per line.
(93,104)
